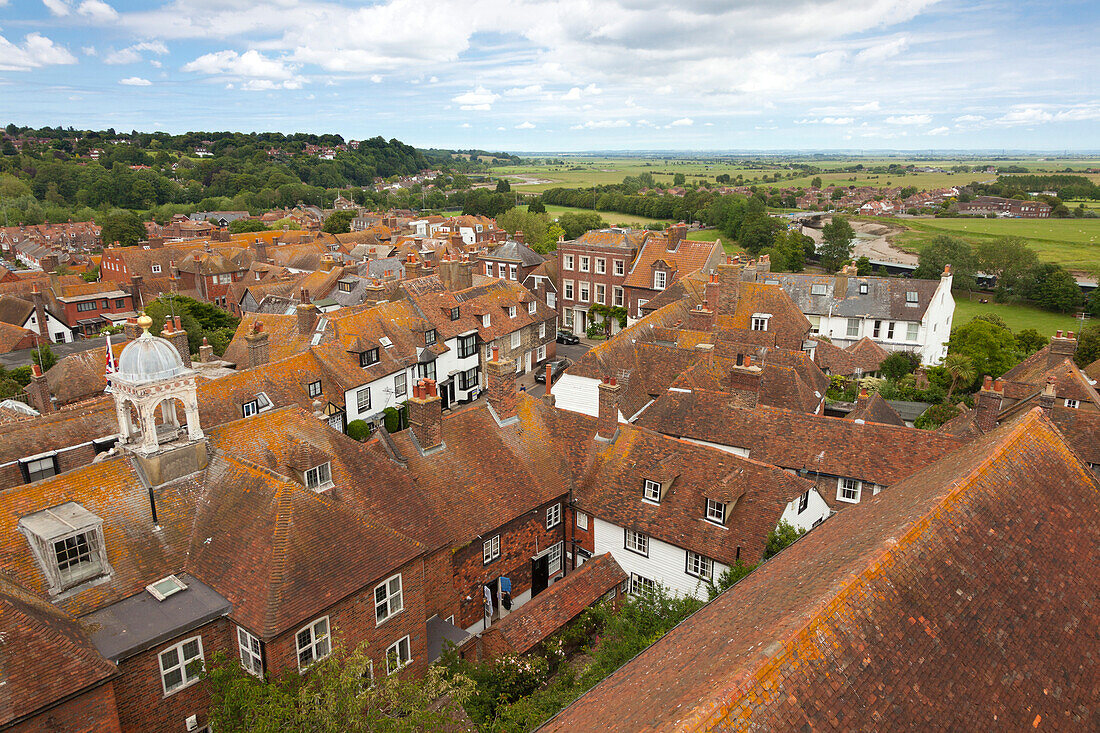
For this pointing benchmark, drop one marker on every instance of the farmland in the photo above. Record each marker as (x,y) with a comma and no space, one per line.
(1072,243)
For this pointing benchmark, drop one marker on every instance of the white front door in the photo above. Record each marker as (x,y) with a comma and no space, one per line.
(527,363)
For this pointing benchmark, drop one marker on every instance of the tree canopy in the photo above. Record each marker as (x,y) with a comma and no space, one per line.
(991,348)
(942,251)
(836,243)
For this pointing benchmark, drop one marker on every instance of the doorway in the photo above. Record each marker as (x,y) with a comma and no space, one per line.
(540,574)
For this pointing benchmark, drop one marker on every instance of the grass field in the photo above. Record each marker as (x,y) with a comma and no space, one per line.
(709,235)
(611,217)
(1018,317)
(1072,243)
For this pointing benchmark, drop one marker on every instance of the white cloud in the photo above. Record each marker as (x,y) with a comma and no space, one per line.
(967,119)
(682,122)
(88,50)
(132,54)
(433,80)
(256,71)
(908,119)
(36,51)
(939,131)
(826,121)
(868,107)
(97,10)
(531,90)
(576,93)
(376,78)
(465,124)
(57,7)
(135,81)
(525,126)
(478,100)
(600,125)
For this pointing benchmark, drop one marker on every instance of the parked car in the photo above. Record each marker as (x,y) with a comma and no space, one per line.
(564,337)
(556,368)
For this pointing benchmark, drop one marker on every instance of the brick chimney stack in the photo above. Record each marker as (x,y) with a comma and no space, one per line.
(426,415)
(174,333)
(39,391)
(137,296)
(412,267)
(259,351)
(674,235)
(727,278)
(1061,348)
(989,403)
(130,329)
(1048,396)
(700,318)
(500,375)
(713,292)
(206,352)
(307,314)
(607,419)
(41,316)
(861,400)
(260,246)
(518,236)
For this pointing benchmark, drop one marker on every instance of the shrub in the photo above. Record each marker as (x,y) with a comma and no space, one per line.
(781,537)
(359,430)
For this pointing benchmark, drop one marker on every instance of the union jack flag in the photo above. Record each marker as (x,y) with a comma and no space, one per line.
(110,363)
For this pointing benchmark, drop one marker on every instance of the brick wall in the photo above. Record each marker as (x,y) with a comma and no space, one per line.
(352,621)
(520,540)
(529,339)
(92,712)
(582,538)
(142,705)
(609,279)
(67,460)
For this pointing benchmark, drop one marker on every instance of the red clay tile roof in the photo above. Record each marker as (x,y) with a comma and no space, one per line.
(688,257)
(864,355)
(898,614)
(875,409)
(13,338)
(45,655)
(534,621)
(881,454)
(56,430)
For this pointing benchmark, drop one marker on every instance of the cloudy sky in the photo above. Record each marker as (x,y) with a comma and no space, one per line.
(548,75)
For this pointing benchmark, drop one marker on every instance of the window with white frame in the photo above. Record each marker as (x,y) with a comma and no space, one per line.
(651,491)
(890,330)
(636,542)
(911,297)
(388,600)
(584,263)
(567,289)
(542,330)
(819,289)
(398,655)
(488,269)
(252,658)
(553,516)
(511,272)
(601,293)
(553,556)
(815,324)
(156,269)
(315,388)
(567,318)
(1073,404)
(911,331)
(699,566)
(759,323)
(362,399)
(181,665)
(511,311)
(486,320)
(716,511)
(620,267)
(582,520)
(67,541)
(319,477)
(863,288)
(848,490)
(584,290)
(430,337)
(516,337)
(531,308)
(40,468)
(490,550)
(660,279)
(400,384)
(567,262)
(641,584)
(853,328)
(617,296)
(601,265)
(551,300)
(313,643)
(501,270)
(368,357)
(541,353)
(427,370)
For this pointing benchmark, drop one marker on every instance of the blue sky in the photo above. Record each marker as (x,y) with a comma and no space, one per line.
(561,75)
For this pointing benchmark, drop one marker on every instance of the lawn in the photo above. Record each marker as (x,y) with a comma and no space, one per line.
(613,218)
(709,235)
(1072,243)
(1018,317)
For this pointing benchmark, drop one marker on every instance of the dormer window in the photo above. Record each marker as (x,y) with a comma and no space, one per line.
(67,541)
(486,320)
(368,357)
(319,477)
(864,288)
(429,337)
(716,511)
(760,321)
(531,307)
(156,269)
(660,280)
(454,314)
(651,491)
(511,311)
(819,289)
(911,296)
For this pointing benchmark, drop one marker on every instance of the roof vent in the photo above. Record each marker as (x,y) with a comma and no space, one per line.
(166,587)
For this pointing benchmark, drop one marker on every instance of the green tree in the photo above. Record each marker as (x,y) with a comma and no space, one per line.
(124,228)
(678,179)
(1051,287)
(961,369)
(941,251)
(503,186)
(43,356)
(575,225)
(537,207)
(781,537)
(336,695)
(1008,259)
(836,243)
(758,230)
(535,227)
(863,266)
(1029,341)
(339,222)
(240,226)
(898,364)
(816,182)
(1088,345)
(991,349)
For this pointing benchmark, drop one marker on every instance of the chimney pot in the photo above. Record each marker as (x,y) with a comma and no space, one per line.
(1058,333)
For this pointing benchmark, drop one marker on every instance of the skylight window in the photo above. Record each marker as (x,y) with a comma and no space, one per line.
(166,587)
(385,341)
